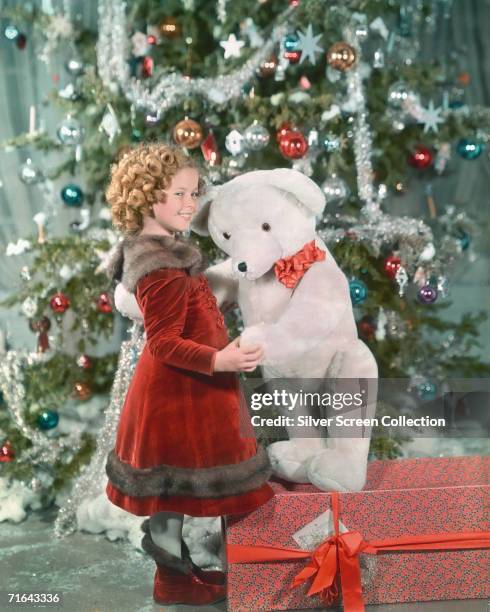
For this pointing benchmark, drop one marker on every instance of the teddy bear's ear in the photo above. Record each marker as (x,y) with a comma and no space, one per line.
(300,186)
(199,223)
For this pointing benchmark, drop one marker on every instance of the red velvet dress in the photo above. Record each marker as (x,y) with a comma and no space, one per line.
(178,414)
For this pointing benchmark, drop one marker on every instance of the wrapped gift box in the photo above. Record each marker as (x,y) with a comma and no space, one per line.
(402,497)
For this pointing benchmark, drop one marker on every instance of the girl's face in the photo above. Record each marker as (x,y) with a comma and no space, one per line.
(176,213)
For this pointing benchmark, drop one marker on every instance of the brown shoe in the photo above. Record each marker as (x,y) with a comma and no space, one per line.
(175,581)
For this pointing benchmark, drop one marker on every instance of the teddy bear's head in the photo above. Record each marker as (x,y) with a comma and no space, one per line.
(259,217)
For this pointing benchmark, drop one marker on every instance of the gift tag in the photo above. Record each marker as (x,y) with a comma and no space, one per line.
(315,532)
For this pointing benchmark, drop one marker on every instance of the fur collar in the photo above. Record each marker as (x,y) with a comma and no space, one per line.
(136,256)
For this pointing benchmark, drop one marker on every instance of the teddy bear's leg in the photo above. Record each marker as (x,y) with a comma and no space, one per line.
(290,457)
(342,465)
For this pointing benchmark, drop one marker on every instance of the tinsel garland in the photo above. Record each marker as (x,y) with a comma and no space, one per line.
(362,133)
(171,89)
(44,450)
(90,482)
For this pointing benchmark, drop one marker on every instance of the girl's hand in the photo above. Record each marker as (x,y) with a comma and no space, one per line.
(234,358)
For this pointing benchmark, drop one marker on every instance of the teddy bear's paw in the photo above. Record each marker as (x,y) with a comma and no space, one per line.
(289,457)
(335,470)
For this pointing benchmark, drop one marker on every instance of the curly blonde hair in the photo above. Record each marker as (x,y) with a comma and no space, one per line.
(138,180)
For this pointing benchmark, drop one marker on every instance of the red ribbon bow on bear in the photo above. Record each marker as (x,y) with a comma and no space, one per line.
(289,270)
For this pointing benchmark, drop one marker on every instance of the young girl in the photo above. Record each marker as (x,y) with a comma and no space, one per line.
(184,443)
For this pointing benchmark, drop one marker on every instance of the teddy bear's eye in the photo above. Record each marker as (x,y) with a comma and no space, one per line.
(266,227)
(226,235)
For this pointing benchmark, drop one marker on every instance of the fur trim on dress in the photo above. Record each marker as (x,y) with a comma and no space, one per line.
(210,482)
(137,256)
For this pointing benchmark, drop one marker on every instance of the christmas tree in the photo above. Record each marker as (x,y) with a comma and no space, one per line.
(337,94)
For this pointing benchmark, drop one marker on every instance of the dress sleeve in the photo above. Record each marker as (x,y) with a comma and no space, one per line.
(163,297)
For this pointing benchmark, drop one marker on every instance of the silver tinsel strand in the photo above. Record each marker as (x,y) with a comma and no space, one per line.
(45,450)
(362,133)
(89,483)
(170,89)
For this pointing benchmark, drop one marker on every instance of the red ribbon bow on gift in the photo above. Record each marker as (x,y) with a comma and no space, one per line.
(339,554)
(289,270)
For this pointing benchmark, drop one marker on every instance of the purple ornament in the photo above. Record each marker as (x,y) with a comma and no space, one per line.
(427,294)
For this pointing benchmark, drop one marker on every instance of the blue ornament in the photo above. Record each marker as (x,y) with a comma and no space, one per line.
(136,135)
(292,43)
(247,88)
(456,104)
(48,419)
(464,241)
(427,390)
(72,195)
(358,291)
(469,149)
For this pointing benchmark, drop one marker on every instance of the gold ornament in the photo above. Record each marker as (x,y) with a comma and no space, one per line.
(170,28)
(81,391)
(268,67)
(341,56)
(188,133)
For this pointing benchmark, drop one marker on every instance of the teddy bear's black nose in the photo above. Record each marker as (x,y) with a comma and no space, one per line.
(242,266)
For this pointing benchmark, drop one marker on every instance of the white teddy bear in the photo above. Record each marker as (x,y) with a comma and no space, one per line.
(295,301)
(304,320)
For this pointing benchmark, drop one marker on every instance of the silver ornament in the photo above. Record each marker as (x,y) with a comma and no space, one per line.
(313,138)
(29,307)
(399,94)
(70,132)
(256,136)
(68,92)
(331,143)
(361,32)
(336,190)
(235,143)
(29,173)
(110,123)
(396,326)
(233,165)
(74,67)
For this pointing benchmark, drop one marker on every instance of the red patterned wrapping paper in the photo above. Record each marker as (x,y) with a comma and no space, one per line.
(404,497)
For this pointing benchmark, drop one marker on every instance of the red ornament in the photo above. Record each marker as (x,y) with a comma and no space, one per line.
(421,158)
(282,130)
(366,328)
(209,149)
(147,67)
(104,303)
(59,302)
(294,3)
(41,326)
(21,41)
(81,391)
(84,362)
(293,145)
(391,265)
(152,40)
(292,56)
(6,452)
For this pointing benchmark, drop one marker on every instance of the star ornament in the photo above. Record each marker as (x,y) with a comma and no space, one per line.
(308,43)
(431,117)
(232,46)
